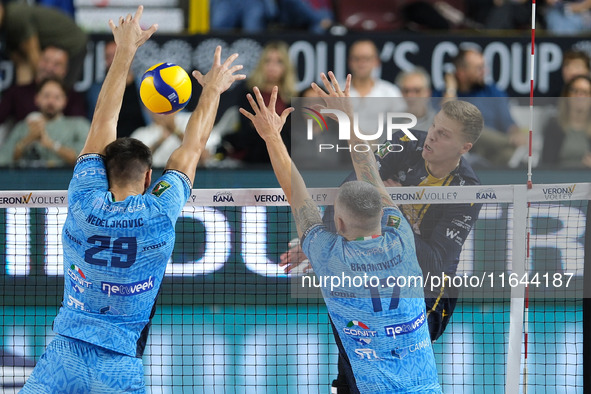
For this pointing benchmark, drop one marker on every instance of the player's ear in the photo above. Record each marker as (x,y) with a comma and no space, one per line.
(148,179)
(466,147)
(340,225)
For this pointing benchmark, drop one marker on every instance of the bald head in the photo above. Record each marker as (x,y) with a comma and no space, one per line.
(359,206)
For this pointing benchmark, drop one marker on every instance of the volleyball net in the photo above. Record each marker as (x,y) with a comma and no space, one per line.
(228,319)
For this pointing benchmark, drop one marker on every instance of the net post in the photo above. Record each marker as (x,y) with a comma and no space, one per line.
(587,304)
(512,376)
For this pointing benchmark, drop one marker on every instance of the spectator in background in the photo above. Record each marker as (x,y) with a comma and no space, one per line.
(568,17)
(19,100)
(364,64)
(501,135)
(574,63)
(273,68)
(251,16)
(47,138)
(438,15)
(567,137)
(500,14)
(66,6)
(31,28)
(163,136)
(131,116)
(316,16)
(415,86)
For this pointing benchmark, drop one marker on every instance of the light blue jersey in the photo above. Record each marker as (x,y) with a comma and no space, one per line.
(115,256)
(383,329)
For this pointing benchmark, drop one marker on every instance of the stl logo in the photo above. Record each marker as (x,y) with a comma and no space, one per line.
(316,116)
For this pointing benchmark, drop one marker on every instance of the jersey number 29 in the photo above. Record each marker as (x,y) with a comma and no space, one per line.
(123,251)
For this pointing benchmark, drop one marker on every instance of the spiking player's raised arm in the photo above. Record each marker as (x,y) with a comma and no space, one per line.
(364,163)
(269,125)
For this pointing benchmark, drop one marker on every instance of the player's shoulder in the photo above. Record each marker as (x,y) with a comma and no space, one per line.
(170,178)
(312,232)
(96,158)
(89,166)
(408,145)
(393,221)
(170,191)
(464,174)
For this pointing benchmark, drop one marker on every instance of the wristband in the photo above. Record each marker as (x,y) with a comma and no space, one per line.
(57,146)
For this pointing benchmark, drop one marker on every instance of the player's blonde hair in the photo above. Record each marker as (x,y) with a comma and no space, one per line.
(468,115)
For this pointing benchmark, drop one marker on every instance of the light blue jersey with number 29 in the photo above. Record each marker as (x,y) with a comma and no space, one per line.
(115,256)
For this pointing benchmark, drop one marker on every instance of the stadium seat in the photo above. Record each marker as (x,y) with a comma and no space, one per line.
(379,15)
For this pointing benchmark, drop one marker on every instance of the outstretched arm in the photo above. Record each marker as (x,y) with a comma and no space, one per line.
(269,124)
(215,82)
(128,36)
(364,162)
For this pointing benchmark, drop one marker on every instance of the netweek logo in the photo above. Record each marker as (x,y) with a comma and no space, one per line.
(393,123)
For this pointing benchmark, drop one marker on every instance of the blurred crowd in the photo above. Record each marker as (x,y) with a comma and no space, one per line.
(44,121)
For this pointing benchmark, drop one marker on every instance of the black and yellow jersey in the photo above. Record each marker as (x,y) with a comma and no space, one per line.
(440,229)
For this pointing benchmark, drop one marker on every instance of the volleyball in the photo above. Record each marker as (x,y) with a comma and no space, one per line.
(165,88)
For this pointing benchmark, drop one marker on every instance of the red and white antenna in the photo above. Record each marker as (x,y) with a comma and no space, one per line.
(529,186)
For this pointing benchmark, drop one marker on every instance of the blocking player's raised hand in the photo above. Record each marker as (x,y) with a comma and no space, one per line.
(269,124)
(128,31)
(220,76)
(332,92)
(128,36)
(265,118)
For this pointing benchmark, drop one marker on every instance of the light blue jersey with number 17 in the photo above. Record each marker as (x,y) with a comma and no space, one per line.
(115,256)
(383,327)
